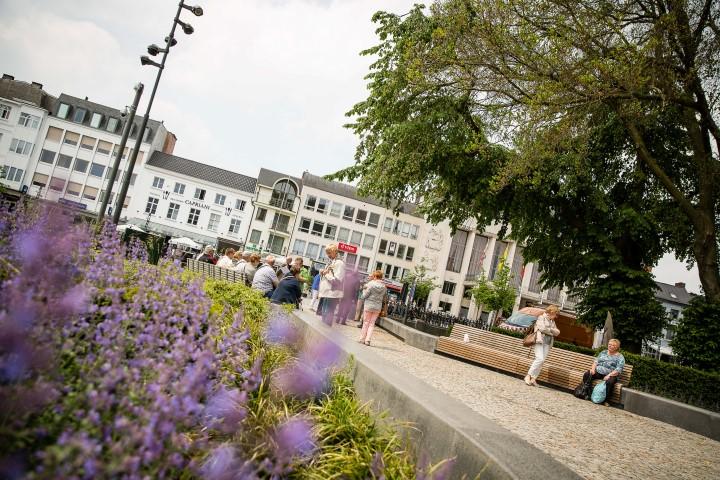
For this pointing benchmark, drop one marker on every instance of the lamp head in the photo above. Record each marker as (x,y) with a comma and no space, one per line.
(196,10)
(171,40)
(154,49)
(187,28)
(145,60)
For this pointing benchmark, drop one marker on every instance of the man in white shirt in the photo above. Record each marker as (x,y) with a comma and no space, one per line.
(227,260)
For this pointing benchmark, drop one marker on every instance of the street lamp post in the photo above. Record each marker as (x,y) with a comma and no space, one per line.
(144,60)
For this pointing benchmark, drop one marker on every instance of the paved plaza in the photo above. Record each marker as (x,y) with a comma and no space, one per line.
(595,441)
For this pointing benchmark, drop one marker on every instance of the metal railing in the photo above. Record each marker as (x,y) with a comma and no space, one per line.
(430,321)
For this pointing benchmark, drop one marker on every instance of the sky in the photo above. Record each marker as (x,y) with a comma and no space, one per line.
(261,83)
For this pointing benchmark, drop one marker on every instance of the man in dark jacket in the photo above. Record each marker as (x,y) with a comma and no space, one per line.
(288,290)
(208,255)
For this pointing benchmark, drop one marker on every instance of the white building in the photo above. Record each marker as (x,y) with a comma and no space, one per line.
(276,202)
(183,198)
(23,111)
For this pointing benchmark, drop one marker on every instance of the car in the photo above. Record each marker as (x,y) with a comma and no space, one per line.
(522,319)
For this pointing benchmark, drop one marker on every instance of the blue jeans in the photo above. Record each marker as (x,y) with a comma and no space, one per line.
(329,305)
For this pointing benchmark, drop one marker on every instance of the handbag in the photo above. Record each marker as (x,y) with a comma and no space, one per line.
(384,310)
(529,339)
(599,393)
(583,390)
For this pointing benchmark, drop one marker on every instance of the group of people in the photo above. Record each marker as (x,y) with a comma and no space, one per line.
(607,366)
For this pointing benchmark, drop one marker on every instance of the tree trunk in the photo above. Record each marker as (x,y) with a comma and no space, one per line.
(705,250)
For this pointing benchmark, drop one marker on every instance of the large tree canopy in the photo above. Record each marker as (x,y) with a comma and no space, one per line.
(591,126)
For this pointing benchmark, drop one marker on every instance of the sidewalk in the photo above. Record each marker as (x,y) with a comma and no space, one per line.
(595,441)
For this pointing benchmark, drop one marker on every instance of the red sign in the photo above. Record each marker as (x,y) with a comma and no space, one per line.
(344,247)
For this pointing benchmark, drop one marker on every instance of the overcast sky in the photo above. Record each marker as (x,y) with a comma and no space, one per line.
(261,83)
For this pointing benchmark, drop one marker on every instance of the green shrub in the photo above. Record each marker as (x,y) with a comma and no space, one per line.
(697,339)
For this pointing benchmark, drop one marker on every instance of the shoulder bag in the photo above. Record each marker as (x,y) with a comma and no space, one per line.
(529,339)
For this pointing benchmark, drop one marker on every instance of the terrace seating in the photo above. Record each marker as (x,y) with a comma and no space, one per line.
(562,368)
(213,271)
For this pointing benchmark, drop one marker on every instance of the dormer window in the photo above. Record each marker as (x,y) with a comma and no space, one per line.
(79,116)
(112,125)
(63,110)
(95,120)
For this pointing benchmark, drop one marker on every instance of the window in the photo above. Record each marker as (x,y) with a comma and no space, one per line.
(112,125)
(330,231)
(73,189)
(387,226)
(220,199)
(173,210)
(283,195)
(5,111)
(388,270)
(151,206)
(343,234)
(477,256)
(90,193)
(361,217)
(54,134)
(12,174)
(158,182)
(81,165)
(350,260)
(20,147)
(27,120)
(255,236)
(57,184)
(199,193)
(280,222)
(104,147)
(179,188)
(348,213)
(261,214)
(368,241)
(397,227)
(409,254)
(39,180)
(356,238)
(383,246)
(405,232)
(500,249)
(125,152)
(391,249)
(275,243)
(102,197)
(322,205)
(63,110)
(313,250)
(234,226)
(445,306)
(71,138)
(448,288)
(193,216)
(317,228)
(133,177)
(363,264)
(335,209)
(79,116)
(374,220)
(305,225)
(401,251)
(239,204)
(95,120)
(299,247)
(64,161)
(414,231)
(396,273)
(457,250)
(310,202)
(146,135)
(88,143)
(214,222)
(97,170)
(126,202)
(47,156)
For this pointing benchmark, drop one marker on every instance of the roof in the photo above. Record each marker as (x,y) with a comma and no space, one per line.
(345,190)
(269,177)
(672,294)
(106,112)
(202,171)
(27,92)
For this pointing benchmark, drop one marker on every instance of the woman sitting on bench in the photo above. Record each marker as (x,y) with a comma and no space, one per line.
(607,366)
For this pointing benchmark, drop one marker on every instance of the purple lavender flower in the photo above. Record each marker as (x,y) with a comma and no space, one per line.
(280,330)
(294,438)
(377,466)
(301,380)
(221,464)
(226,409)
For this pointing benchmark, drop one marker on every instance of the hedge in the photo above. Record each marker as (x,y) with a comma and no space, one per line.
(668,380)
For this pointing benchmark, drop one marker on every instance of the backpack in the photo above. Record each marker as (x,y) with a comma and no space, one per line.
(583,390)
(599,393)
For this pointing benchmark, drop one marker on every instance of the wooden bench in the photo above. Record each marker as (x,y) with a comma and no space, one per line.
(209,270)
(562,368)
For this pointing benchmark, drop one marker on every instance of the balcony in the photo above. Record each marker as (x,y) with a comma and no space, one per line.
(266,199)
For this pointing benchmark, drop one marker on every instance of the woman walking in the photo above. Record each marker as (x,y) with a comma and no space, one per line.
(373,295)
(331,284)
(545,333)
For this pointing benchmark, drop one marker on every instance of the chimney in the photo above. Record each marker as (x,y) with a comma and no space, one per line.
(8,77)
(680,284)
(37,85)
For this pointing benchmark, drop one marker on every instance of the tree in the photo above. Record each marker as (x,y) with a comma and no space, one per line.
(697,337)
(497,295)
(424,283)
(541,78)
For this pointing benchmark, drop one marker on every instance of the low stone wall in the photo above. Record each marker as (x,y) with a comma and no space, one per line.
(694,419)
(444,427)
(415,338)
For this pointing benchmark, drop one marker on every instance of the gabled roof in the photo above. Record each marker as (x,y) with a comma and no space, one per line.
(201,171)
(28,92)
(672,293)
(267,178)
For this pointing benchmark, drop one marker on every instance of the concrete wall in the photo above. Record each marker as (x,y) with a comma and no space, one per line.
(694,419)
(415,338)
(445,427)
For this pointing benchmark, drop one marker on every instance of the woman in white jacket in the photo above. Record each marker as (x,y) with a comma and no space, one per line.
(331,286)
(373,295)
(545,333)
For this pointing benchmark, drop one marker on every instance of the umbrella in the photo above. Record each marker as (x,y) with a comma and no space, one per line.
(607,330)
(129,226)
(185,242)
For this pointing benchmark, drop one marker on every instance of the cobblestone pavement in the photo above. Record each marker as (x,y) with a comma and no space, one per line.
(597,442)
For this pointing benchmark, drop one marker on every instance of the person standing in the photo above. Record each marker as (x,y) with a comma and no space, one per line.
(545,332)
(331,284)
(373,296)
(314,292)
(351,284)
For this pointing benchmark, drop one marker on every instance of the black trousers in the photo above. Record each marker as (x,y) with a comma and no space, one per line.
(609,383)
